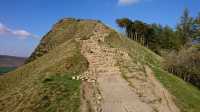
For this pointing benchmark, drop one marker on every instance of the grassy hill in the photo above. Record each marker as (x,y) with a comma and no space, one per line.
(64,30)
(45,83)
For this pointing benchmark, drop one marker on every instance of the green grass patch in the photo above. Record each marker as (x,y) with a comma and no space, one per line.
(187,96)
(61,94)
(45,84)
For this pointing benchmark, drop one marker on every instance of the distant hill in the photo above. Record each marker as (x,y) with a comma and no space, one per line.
(85,66)
(11,61)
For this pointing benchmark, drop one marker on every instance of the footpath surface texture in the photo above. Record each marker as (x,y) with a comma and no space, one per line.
(106,89)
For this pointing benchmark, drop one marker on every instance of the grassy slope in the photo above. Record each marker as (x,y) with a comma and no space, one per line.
(45,84)
(63,31)
(187,96)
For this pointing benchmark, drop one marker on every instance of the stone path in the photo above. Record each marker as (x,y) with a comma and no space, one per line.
(105,90)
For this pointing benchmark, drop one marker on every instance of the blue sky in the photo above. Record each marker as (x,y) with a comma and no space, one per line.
(24,22)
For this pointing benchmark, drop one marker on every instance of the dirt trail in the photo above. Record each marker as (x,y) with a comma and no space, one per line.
(105,90)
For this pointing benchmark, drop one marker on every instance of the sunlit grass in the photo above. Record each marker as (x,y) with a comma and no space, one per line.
(61,93)
(187,96)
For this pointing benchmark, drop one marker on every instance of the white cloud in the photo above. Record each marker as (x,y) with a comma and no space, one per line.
(127,2)
(4,29)
(22,34)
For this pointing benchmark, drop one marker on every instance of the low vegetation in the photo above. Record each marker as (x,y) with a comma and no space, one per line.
(61,94)
(187,97)
(185,64)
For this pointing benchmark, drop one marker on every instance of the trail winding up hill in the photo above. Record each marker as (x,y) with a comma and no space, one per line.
(139,92)
(85,66)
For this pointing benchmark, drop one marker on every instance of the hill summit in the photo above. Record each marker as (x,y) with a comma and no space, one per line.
(85,66)
(62,31)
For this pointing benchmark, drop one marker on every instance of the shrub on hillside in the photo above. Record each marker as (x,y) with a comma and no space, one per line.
(185,64)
